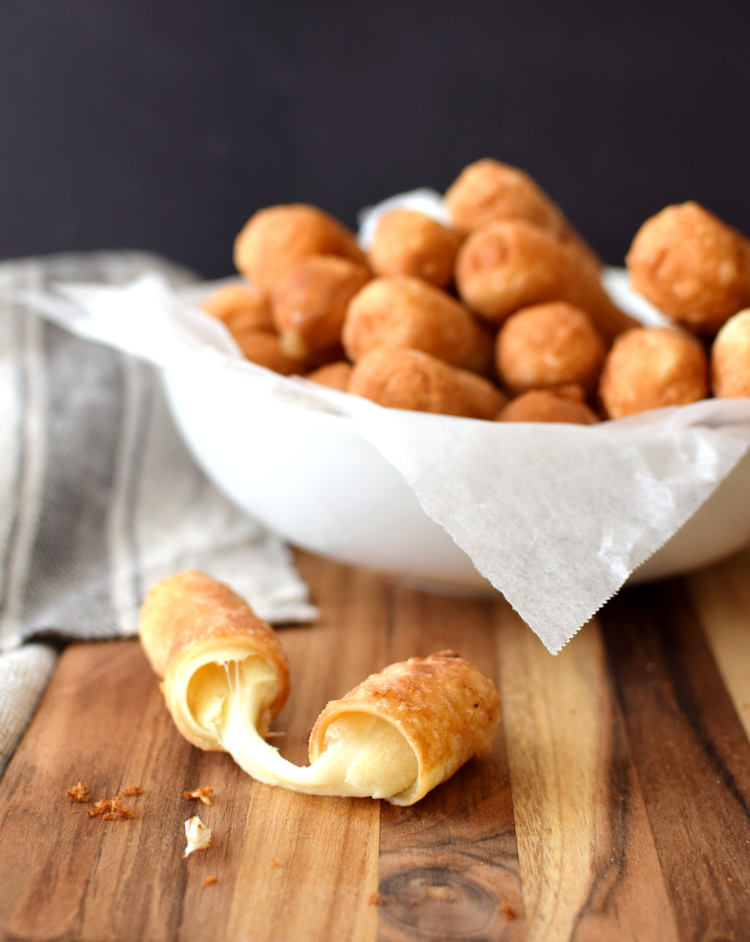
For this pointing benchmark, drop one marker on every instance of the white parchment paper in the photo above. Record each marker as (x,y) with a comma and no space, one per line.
(556,517)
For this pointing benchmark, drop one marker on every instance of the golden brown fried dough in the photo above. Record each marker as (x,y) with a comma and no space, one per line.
(692,266)
(547,405)
(489,191)
(225,677)
(445,709)
(277,236)
(336,375)
(411,379)
(651,367)
(546,345)
(190,626)
(411,243)
(309,301)
(405,312)
(730,357)
(572,391)
(241,307)
(508,265)
(265,350)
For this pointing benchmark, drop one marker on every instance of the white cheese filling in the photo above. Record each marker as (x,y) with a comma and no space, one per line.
(365,756)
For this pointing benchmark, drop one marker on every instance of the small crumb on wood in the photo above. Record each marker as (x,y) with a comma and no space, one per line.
(274,864)
(79,792)
(198,836)
(107,808)
(203,794)
(507,912)
(730,879)
(375,899)
(209,881)
(110,809)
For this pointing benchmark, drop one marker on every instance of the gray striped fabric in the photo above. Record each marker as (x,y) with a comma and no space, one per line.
(98,496)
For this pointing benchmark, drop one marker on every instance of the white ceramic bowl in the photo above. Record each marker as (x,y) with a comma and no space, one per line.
(312,478)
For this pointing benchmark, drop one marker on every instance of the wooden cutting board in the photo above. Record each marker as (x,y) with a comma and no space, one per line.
(614,804)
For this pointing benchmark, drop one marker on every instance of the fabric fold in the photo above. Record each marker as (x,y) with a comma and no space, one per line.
(99,497)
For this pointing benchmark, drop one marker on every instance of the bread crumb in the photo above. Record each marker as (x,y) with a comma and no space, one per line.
(209,881)
(274,863)
(203,794)
(79,792)
(110,809)
(507,912)
(107,808)
(375,899)
(131,790)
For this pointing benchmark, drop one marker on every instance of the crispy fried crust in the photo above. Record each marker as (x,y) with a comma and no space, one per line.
(691,266)
(511,264)
(651,367)
(547,345)
(400,311)
(730,357)
(410,379)
(488,191)
(275,237)
(443,706)
(407,242)
(189,620)
(336,375)
(241,307)
(546,405)
(310,299)
(265,349)
(246,312)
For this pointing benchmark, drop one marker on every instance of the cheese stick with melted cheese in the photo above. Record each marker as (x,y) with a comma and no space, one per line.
(439,710)
(199,636)
(225,676)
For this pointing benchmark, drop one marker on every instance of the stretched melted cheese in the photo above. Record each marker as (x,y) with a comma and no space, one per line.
(368,757)
(395,736)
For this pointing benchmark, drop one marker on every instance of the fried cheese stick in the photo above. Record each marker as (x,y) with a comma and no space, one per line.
(225,676)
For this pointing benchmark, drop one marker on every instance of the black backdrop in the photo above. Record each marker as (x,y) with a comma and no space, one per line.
(163,125)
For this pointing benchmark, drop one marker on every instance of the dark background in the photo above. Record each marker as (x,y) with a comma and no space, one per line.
(164,125)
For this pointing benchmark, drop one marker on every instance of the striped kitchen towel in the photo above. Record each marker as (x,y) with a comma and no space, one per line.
(98,495)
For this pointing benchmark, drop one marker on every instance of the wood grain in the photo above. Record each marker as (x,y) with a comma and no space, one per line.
(299,847)
(449,865)
(580,819)
(690,753)
(613,806)
(723,607)
(69,876)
